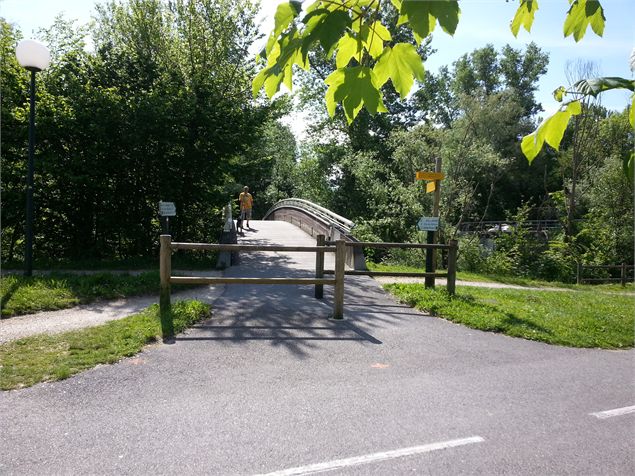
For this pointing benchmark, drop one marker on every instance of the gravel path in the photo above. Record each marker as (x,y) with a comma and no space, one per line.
(96,313)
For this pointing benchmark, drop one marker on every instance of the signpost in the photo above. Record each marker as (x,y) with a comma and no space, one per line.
(427,223)
(166,210)
(422,175)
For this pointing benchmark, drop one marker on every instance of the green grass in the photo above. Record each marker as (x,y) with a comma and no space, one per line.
(45,358)
(485,278)
(569,318)
(24,295)
(180,260)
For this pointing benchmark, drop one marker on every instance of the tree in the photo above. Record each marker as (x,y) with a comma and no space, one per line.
(14,117)
(577,157)
(161,110)
(606,234)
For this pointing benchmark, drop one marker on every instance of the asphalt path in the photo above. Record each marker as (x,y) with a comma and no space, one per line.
(270,385)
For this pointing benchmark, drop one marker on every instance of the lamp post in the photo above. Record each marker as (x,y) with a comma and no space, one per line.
(33,56)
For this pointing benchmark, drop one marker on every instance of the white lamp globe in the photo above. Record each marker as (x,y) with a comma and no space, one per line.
(33,55)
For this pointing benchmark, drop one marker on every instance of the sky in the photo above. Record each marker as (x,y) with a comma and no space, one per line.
(482,22)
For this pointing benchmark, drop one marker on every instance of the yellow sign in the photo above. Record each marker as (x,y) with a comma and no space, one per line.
(431,187)
(421,175)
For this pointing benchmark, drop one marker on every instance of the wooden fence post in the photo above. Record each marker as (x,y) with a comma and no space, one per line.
(319,267)
(165,271)
(452,254)
(579,273)
(623,276)
(338,300)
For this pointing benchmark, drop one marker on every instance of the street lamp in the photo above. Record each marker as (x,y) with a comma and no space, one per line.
(35,57)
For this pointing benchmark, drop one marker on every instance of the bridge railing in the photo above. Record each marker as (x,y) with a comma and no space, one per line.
(165,271)
(506,225)
(343,224)
(316,220)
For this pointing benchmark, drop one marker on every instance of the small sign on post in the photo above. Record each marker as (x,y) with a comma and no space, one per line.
(167,209)
(428,224)
(423,175)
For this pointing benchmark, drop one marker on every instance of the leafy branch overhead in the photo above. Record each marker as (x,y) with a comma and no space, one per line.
(367,57)
(552,129)
(352,31)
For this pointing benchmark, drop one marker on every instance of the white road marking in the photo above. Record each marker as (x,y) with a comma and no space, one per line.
(612,413)
(357,460)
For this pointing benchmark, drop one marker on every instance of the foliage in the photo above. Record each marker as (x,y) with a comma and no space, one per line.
(552,129)
(45,358)
(365,55)
(569,318)
(365,58)
(520,252)
(160,110)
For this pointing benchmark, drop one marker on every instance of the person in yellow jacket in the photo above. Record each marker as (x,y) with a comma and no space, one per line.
(246,202)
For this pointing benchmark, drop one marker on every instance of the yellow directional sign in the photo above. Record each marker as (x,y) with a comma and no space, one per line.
(431,187)
(421,175)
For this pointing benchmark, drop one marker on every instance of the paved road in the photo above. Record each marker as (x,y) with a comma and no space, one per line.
(270,384)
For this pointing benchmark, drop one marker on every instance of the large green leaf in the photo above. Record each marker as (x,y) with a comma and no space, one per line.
(325,27)
(581,14)
(595,86)
(373,38)
(423,16)
(353,88)
(347,48)
(283,55)
(524,16)
(629,161)
(401,64)
(550,131)
(285,13)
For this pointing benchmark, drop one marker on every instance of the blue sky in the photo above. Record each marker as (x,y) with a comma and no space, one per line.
(482,22)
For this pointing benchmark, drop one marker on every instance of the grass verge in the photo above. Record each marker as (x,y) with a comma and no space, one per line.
(45,358)
(574,319)
(25,295)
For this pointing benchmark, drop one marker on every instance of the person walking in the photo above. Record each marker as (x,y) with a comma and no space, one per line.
(246,202)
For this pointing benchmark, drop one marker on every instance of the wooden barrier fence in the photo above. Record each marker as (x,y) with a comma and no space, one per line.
(165,267)
(451,247)
(623,279)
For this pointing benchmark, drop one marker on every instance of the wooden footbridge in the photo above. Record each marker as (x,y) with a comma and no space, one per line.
(317,248)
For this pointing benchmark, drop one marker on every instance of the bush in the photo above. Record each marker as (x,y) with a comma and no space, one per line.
(363,231)
(407,257)
(472,256)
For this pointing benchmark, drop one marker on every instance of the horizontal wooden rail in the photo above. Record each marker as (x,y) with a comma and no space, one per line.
(368,244)
(389,273)
(224,280)
(623,279)
(165,269)
(451,247)
(230,247)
